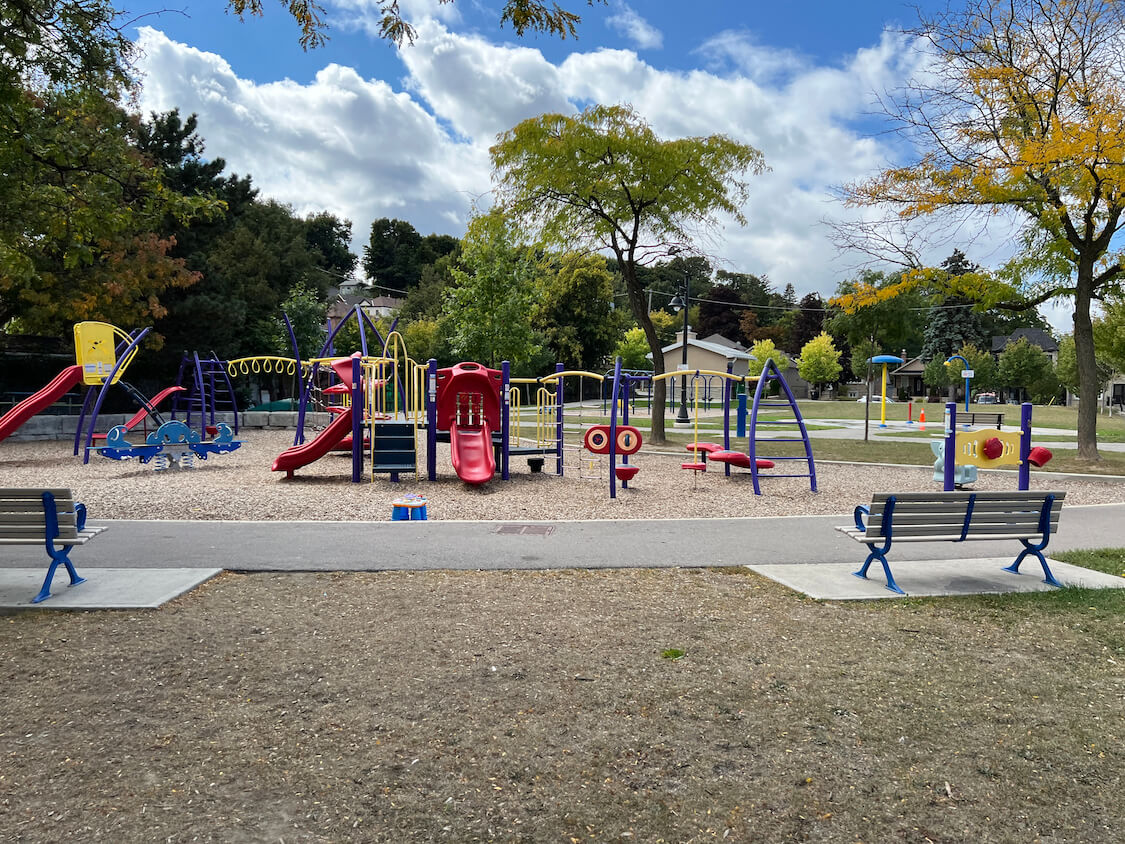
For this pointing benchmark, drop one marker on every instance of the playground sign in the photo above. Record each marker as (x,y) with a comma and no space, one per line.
(967,373)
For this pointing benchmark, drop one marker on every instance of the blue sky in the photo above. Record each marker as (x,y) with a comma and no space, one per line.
(366,130)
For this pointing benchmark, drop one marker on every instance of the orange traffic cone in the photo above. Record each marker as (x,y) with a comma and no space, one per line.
(922,419)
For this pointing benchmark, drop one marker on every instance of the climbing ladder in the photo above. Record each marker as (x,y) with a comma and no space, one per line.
(776,433)
(393,448)
(207,391)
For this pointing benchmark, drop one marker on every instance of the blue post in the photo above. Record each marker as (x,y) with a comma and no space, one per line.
(357,421)
(505,418)
(431,420)
(613,429)
(560,395)
(1025,445)
(742,414)
(950,444)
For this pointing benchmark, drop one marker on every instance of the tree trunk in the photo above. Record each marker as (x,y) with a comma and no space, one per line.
(640,310)
(1087,366)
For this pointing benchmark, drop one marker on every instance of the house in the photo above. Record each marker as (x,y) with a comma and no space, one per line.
(715,351)
(906,378)
(1035,336)
(706,354)
(374,307)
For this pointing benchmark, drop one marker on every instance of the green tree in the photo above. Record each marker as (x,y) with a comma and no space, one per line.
(986,371)
(307,315)
(719,312)
(82,207)
(937,376)
(426,339)
(819,363)
(392,259)
(633,351)
(574,312)
(808,320)
(895,322)
(488,309)
(862,351)
(1024,367)
(1020,110)
(1066,370)
(603,179)
(765,350)
(426,301)
(1109,334)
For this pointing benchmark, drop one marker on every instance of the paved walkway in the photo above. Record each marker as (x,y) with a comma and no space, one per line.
(417,546)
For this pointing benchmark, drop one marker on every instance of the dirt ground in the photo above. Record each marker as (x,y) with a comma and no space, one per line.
(546,707)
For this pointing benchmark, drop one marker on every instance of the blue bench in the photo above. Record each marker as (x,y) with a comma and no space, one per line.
(50,517)
(956,517)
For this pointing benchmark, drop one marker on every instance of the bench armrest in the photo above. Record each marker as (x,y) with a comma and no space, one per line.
(79,515)
(861,511)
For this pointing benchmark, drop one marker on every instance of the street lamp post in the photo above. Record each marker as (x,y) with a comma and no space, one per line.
(682,415)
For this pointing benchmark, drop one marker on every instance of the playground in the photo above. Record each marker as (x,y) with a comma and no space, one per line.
(635,703)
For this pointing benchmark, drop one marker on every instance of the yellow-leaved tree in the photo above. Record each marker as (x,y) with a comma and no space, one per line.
(1020,111)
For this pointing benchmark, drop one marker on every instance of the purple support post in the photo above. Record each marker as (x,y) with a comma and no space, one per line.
(505,418)
(613,429)
(728,389)
(560,395)
(106,384)
(626,386)
(357,421)
(431,419)
(950,444)
(1025,445)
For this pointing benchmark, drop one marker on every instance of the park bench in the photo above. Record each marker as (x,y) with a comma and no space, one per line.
(45,516)
(957,517)
(991,418)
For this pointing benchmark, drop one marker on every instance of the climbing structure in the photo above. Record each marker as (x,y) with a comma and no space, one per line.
(783,430)
(207,392)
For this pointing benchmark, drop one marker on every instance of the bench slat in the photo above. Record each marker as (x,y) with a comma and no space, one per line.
(860,536)
(17,494)
(80,539)
(39,518)
(907,515)
(954,529)
(958,517)
(990,495)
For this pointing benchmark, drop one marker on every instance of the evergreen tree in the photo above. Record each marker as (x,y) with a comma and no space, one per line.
(808,322)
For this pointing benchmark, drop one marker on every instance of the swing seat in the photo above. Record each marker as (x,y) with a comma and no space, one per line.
(695,467)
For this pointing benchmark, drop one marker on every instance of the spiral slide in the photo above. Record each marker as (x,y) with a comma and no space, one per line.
(471,450)
(37,402)
(314,449)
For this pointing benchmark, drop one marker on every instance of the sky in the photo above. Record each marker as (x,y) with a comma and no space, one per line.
(366,130)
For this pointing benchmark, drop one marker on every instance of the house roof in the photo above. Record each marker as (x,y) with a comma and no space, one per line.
(720,340)
(914,366)
(1035,336)
(726,351)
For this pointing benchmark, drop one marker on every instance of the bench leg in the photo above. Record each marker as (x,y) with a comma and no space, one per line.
(1037,552)
(876,554)
(57,556)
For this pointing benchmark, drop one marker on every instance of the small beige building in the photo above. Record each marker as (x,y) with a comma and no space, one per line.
(712,353)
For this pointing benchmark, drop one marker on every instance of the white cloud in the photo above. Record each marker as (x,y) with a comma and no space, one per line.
(367,15)
(631,25)
(360,149)
(344,144)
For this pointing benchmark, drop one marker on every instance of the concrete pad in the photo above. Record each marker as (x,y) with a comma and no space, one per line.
(104,589)
(929,578)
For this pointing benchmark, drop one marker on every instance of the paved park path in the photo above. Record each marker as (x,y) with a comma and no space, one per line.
(417,546)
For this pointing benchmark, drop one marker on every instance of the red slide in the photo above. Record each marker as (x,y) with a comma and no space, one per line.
(143,412)
(314,449)
(471,449)
(33,404)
